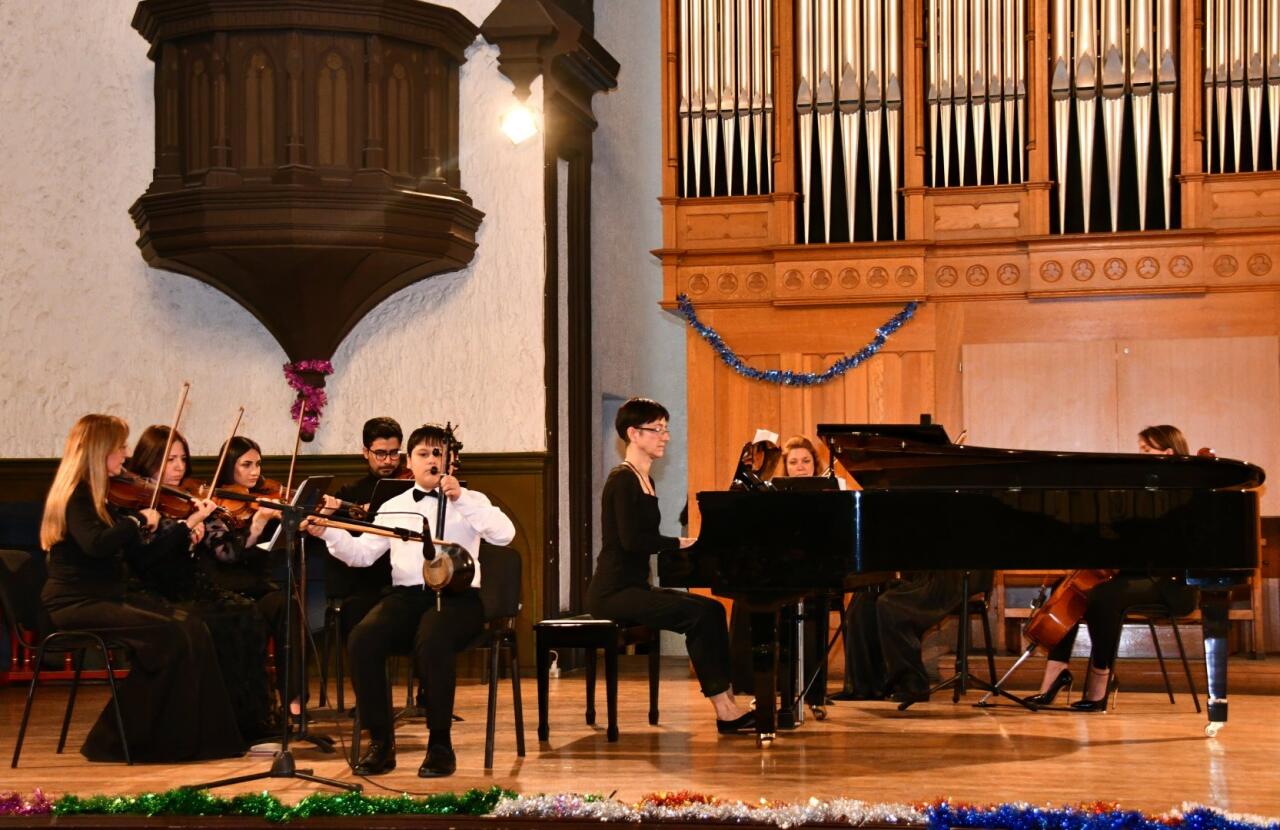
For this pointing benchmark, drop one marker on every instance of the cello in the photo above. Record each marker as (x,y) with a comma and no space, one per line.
(1054,617)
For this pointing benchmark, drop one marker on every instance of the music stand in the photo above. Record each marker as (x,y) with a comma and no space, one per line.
(283,765)
(385,490)
(963,678)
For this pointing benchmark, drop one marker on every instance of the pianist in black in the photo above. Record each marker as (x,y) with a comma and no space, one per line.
(629,533)
(1108,602)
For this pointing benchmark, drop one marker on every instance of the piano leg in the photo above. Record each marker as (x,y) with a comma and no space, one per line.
(1214,607)
(764,663)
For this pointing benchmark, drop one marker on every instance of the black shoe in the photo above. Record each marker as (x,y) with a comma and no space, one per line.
(907,697)
(1086,705)
(1045,698)
(440,761)
(380,758)
(857,695)
(746,723)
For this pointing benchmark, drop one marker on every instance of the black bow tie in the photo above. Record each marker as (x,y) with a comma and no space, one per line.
(419,495)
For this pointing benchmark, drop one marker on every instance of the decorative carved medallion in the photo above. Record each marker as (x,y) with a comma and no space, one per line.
(1115,268)
(792,280)
(1259,264)
(698,284)
(849,278)
(820,279)
(1148,267)
(1180,266)
(1008,273)
(727,283)
(1082,270)
(757,282)
(976,275)
(1051,271)
(946,276)
(905,276)
(1226,265)
(877,277)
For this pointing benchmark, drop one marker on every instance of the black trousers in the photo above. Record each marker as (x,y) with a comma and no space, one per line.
(882,638)
(700,619)
(174,702)
(405,621)
(1106,608)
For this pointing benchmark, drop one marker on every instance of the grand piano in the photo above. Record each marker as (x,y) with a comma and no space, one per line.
(927,503)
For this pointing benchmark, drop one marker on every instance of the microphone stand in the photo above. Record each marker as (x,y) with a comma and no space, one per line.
(284,765)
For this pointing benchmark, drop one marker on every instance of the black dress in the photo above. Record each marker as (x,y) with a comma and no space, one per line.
(174,702)
(238,629)
(232,566)
(620,589)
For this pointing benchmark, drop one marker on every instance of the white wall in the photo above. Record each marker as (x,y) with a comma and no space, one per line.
(638,348)
(86,326)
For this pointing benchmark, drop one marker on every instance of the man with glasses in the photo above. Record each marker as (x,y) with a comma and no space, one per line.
(357,589)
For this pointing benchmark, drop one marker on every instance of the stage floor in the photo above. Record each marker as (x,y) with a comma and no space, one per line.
(1146,754)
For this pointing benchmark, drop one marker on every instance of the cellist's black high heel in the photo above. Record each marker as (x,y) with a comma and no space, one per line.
(1046,698)
(1085,705)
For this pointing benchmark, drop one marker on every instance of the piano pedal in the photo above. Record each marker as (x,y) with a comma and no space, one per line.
(819,712)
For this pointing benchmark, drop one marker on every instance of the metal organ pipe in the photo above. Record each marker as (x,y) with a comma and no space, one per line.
(726,99)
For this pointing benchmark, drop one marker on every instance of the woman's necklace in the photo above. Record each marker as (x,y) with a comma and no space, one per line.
(645,484)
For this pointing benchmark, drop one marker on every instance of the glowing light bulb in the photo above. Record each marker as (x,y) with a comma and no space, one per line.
(518,124)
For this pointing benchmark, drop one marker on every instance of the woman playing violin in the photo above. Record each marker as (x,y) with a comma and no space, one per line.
(238,629)
(1108,602)
(174,702)
(244,568)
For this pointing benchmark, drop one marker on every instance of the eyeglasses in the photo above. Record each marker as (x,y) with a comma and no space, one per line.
(385,455)
(655,430)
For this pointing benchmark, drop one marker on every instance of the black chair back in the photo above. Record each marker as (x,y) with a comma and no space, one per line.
(21,580)
(500,573)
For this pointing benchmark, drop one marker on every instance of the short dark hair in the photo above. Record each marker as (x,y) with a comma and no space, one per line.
(637,412)
(427,433)
(381,427)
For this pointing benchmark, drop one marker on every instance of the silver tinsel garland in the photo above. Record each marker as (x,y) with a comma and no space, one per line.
(784,815)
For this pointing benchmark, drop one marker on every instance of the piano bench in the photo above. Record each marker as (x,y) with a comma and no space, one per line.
(593,634)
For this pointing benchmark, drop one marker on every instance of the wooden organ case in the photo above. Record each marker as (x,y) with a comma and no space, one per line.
(1082,195)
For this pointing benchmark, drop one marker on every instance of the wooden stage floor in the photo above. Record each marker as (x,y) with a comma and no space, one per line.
(1147,754)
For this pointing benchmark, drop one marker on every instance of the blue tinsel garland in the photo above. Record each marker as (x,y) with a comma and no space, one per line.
(788,377)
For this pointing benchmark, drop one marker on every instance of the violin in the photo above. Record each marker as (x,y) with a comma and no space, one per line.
(236,503)
(130,491)
(1065,607)
(241,502)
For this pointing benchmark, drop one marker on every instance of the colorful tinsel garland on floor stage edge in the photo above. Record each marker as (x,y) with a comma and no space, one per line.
(682,806)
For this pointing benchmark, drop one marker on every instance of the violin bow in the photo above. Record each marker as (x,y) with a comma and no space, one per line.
(168,442)
(297,445)
(226,446)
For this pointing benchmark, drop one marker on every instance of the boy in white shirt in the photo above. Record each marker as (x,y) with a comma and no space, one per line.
(407,618)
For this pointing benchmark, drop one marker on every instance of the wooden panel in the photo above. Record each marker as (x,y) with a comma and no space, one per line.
(1042,396)
(1222,392)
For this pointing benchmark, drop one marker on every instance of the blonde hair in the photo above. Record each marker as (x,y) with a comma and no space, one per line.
(799,442)
(89,443)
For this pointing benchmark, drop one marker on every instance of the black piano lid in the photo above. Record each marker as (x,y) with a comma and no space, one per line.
(905,456)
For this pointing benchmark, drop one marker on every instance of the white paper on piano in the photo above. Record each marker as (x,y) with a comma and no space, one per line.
(765,435)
